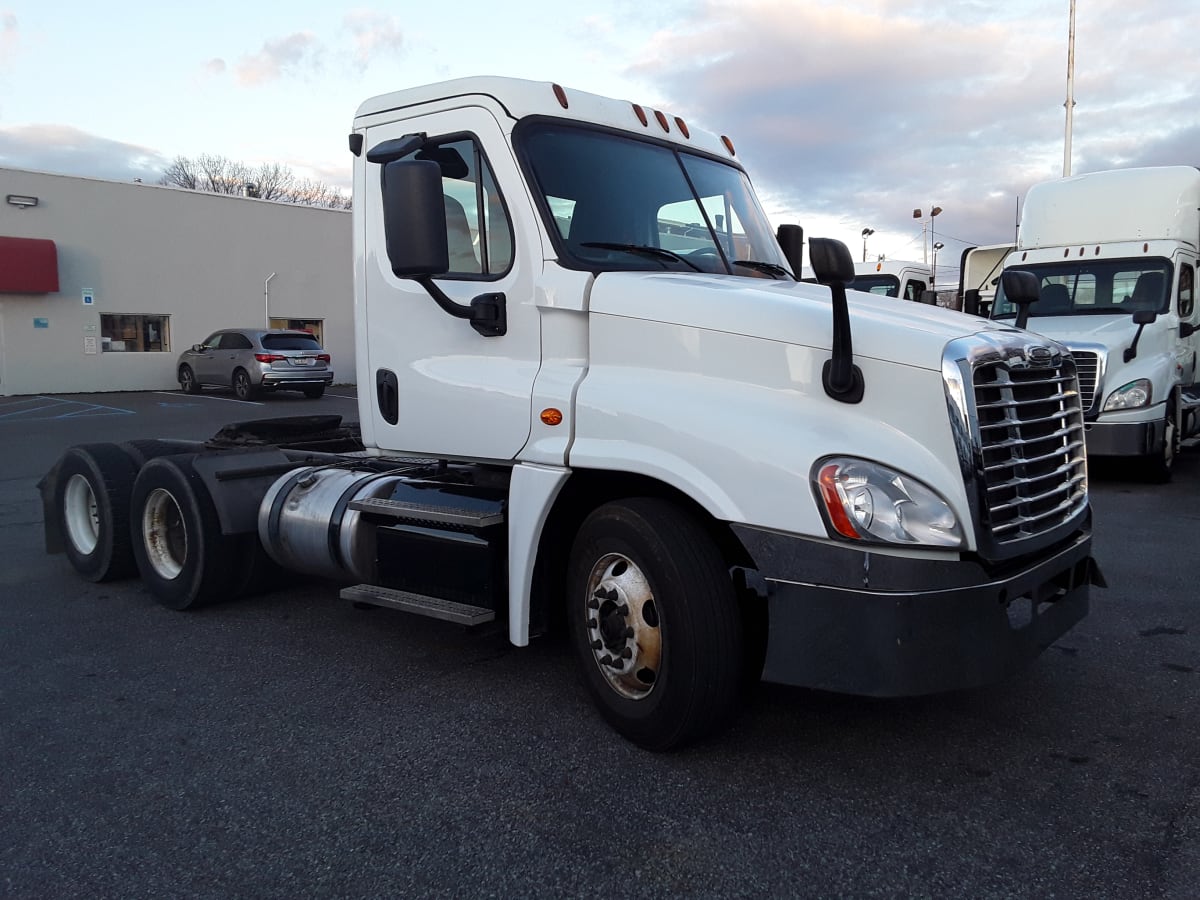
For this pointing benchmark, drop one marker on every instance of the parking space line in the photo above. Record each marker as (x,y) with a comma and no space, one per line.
(207,397)
(53,404)
(341,396)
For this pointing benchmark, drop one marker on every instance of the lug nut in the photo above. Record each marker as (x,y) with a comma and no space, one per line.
(627,653)
(596,645)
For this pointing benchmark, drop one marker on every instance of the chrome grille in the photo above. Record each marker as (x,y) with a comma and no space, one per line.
(1028,426)
(1087,364)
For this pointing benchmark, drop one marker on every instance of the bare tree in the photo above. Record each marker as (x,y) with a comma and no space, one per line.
(269,181)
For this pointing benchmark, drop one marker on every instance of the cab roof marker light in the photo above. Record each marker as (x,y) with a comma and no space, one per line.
(560,95)
(662,120)
(682,125)
(641,114)
(728,145)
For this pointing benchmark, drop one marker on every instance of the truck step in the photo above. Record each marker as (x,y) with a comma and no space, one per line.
(1190,398)
(419,512)
(433,607)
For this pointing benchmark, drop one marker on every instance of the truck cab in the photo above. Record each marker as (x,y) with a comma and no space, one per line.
(895,278)
(1115,255)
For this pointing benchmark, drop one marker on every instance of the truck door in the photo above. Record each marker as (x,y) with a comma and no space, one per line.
(455,392)
(1189,320)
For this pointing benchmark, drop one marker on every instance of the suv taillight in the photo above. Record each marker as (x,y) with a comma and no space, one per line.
(269,357)
(323,357)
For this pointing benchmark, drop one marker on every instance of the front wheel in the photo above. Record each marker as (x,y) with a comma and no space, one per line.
(187,380)
(243,388)
(1159,467)
(655,623)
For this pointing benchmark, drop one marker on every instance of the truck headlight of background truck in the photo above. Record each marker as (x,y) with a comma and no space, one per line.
(1134,395)
(864,500)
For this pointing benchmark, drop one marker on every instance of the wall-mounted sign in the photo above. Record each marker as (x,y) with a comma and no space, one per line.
(89,297)
(89,345)
(41,323)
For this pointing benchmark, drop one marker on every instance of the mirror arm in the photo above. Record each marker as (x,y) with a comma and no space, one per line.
(841,378)
(1131,350)
(487,313)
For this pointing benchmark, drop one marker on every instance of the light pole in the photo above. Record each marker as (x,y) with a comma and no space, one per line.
(927,228)
(866,233)
(933,272)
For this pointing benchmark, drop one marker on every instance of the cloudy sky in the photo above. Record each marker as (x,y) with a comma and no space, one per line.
(849,114)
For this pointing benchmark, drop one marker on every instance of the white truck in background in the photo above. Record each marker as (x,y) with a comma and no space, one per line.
(895,278)
(1115,255)
(570,409)
(979,278)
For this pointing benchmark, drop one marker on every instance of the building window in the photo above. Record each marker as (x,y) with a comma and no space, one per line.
(135,334)
(315,327)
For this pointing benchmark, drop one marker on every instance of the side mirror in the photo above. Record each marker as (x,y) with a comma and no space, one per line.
(831,261)
(414,218)
(197,348)
(1021,288)
(1144,316)
(1186,329)
(971,301)
(791,242)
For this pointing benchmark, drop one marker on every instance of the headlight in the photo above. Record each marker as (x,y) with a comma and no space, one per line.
(865,501)
(1134,395)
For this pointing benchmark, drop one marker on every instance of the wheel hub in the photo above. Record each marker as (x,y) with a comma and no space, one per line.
(623,626)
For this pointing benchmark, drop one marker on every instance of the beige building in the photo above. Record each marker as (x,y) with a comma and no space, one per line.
(103,283)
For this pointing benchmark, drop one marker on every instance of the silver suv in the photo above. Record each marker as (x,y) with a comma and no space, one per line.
(254,359)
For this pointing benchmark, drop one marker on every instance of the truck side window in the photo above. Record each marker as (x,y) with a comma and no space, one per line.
(1187,290)
(478,231)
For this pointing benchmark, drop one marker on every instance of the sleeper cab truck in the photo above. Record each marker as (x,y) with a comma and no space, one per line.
(1115,256)
(593,393)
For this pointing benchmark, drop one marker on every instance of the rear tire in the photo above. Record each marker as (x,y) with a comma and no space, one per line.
(243,388)
(315,392)
(181,554)
(187,380)
(655,623)
(91,502)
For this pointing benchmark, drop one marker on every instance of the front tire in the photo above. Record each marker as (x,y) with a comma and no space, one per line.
(655,623)
(187,380)
(315,392)
(243,388)
(181,554)
(1160,467)
(91,502)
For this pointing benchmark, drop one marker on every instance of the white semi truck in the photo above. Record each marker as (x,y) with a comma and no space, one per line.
(1115,256)
(709,470)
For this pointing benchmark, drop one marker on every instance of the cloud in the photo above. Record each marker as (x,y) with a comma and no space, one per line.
(866,109)
(215,67)
(286,54)
(374,34)
(69,151)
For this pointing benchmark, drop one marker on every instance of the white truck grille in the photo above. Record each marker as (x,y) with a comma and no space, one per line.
(1087,365)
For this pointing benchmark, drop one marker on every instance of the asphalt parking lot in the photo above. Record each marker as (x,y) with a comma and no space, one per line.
(290,745)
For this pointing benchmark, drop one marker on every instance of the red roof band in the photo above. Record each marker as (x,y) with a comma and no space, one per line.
(28,266)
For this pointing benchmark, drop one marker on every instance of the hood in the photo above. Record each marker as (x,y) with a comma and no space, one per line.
(799,313)
(1113,331)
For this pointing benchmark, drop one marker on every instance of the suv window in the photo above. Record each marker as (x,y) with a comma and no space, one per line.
(232,341)
(289,342)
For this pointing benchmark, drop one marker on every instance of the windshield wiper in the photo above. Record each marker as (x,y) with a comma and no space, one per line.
(773,269)
(644,249)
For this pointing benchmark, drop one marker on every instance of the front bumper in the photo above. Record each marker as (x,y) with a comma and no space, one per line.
(856,622)
(1124,438)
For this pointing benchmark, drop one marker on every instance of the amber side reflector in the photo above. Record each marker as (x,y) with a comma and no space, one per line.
(878,267)
(551,416)
(683,129)
(662,120)
(641,114)
(728,145)
(1145,248)
(561,95)
(833,504)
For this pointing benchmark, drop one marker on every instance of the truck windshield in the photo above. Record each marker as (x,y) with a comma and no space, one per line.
(1112,287)
(619,203)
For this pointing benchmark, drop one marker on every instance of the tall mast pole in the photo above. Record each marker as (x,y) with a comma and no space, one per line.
(1070,104)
